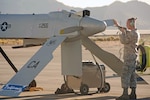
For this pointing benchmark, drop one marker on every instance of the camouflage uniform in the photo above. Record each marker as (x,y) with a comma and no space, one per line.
(130,40)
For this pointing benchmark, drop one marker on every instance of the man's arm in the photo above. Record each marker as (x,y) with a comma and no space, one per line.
(122,29)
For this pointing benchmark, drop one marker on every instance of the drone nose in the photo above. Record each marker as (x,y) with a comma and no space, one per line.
(91,26)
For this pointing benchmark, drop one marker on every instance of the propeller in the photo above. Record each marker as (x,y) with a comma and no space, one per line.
(73,49)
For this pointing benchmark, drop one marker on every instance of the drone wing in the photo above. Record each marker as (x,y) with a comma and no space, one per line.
(31,69)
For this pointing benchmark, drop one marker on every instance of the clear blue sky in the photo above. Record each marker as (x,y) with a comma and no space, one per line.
(93,3)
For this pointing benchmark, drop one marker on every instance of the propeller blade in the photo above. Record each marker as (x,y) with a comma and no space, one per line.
(70,29)
(109,22)
(32,68)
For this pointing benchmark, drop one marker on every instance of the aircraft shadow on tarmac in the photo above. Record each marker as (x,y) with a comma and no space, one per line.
(70,96)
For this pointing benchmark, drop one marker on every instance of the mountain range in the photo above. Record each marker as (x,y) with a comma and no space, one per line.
(117,10)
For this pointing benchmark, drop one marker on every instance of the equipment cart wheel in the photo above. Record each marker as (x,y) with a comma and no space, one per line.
(84,89)
(106,88)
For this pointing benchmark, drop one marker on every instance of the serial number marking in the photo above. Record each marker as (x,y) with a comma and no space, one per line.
(51,42)
(43,25)
(33,64)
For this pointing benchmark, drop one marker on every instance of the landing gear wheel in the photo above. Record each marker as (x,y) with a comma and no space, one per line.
(106,88)
(84,89)
(64,89)
(32,84)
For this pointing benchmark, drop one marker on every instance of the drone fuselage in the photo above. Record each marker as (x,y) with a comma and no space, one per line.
(47,25)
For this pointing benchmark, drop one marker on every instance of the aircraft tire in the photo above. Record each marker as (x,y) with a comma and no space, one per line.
(32,84)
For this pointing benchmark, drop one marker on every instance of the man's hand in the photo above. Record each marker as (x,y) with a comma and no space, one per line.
(122,29)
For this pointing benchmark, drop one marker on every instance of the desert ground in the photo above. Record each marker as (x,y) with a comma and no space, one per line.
(50,77)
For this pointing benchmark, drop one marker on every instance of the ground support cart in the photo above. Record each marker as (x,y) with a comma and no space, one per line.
(93,76)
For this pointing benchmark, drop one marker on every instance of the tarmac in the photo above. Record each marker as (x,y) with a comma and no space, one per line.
(50,78)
